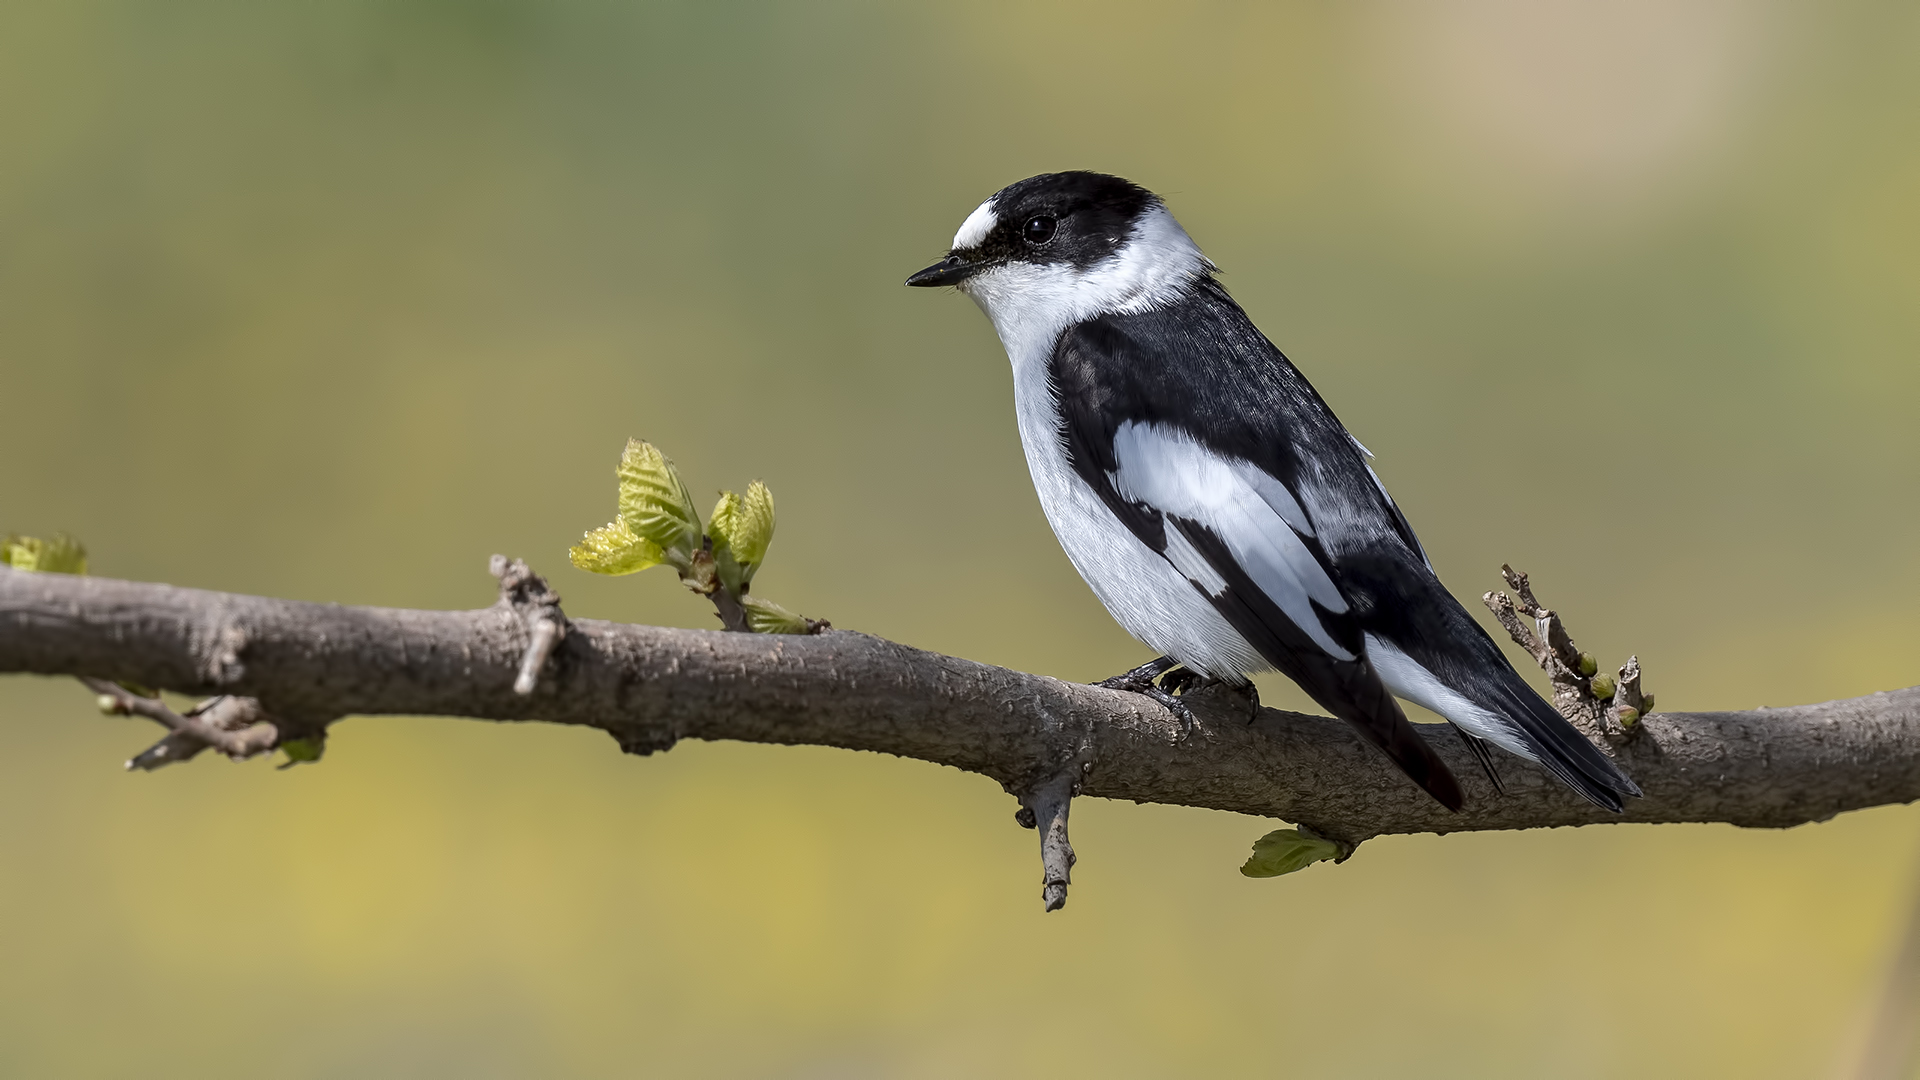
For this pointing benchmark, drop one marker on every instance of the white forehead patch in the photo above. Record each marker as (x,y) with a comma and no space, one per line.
(977,226)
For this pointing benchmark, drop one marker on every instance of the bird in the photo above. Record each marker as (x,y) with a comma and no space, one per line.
(1212,500)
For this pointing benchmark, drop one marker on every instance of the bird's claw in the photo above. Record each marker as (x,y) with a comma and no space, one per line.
(1172,678)
(1172,703)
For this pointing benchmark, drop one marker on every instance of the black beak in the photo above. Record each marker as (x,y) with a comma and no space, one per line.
(951,270)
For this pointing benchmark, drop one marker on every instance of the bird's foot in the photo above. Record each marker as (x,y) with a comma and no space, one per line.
(1185,681)
(1141,681)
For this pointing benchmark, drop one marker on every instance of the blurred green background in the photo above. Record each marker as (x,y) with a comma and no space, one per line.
(333,300)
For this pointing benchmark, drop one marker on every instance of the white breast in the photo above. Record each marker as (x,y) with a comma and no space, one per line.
(1145,593)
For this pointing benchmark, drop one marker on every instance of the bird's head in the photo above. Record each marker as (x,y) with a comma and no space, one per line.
(1068,244)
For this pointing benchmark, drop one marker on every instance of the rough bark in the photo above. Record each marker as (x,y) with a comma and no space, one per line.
(1045,740)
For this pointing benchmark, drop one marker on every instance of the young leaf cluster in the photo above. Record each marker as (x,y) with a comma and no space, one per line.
(60,555)
(657,523)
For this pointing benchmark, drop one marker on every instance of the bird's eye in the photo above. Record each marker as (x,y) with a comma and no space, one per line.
(1040,230)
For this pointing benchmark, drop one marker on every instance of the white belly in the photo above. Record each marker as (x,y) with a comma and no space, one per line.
(1142,590)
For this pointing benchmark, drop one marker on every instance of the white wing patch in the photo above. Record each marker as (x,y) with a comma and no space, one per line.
(977,226)
(1183,556)
(1275,495)
(1253,514)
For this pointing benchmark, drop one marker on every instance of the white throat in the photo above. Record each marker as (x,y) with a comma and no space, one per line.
(1030,304)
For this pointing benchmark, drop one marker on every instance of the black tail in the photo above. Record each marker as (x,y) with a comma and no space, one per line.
(1564,751)
(1449,657)
(1364,702)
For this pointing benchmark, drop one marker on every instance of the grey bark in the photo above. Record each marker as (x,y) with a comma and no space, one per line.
(1043,739)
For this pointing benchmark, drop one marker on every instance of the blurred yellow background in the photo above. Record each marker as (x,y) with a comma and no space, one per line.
(333,300)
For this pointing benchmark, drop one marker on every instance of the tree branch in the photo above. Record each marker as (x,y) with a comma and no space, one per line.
(305,665)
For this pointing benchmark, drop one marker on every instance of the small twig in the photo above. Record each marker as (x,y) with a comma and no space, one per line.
(702,575)
(1047,805)
(237,727)
(1610,711)
(732,616)
(1503,609)
(546,634)
(528,595)
(1630,703)
(1522,588)
(1553,648)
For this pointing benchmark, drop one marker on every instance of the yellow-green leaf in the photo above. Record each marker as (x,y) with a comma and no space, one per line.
(615,550)
(720,523)
(767,617)
(741,529)
(655,504)
(303,749)
(60,555)
(1284,851)
(720,528)
(752,527)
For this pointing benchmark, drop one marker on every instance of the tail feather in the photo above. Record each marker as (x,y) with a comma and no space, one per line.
(1368,706)
(1480,692)
(1478,748)
(1561,747)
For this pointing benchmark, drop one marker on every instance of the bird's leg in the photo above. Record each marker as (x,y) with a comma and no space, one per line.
(1141,681)
(1137,680)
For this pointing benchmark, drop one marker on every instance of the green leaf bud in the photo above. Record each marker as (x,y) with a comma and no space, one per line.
(655,504)
(615,550)
(1588,665)
(753,527)
(741,528)
(767,617)
(1602,686)
(1627,715)
(722,525)
(60,555)
(1284,851)
(731,574)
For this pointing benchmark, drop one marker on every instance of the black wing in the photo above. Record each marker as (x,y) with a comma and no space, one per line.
(1195,431)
